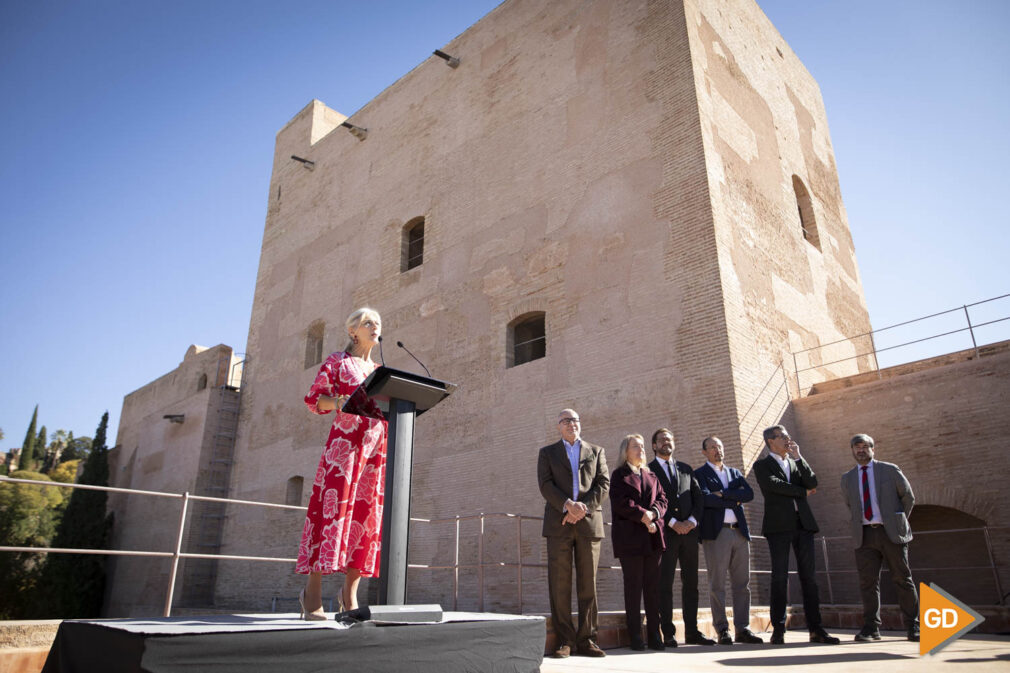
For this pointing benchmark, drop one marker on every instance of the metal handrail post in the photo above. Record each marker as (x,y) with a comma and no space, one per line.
(876,362)
(992,564)
(480,562)
(971,331)
(827,569)
(796,368)
(785,381)
(175,557)
(519,559)
(455,571)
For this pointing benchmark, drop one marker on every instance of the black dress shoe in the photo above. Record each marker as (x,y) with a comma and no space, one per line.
(913,633)
(867,635)
(637,644)
(823,637)
(747,637)
(670,642)
(725,639)
(698,638)
(779,636)
(656,644)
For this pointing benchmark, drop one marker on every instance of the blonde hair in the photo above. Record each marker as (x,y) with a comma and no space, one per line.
(622,454)
(354,321)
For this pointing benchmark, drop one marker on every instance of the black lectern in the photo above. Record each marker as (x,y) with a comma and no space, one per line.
(397,397)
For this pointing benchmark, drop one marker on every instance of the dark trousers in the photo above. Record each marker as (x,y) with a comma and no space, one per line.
(876,548)
(641,579)
(681,549)
(564,551)
(802,543)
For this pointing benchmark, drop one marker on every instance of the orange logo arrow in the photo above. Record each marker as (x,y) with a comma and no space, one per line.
(942,619)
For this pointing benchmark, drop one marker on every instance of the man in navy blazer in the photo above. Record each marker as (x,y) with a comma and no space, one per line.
(683,510)
(726,541)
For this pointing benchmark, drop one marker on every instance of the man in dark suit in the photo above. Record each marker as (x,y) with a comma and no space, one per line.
(574,481)
(786,480)
(726,540)
(684,506)
(880,499)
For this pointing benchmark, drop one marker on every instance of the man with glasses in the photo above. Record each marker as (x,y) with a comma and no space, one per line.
(786,480)
(574,481)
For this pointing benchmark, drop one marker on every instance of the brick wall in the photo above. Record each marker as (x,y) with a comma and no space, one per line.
(946,426)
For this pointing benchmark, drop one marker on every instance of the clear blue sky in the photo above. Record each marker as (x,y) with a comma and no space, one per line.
(137,141)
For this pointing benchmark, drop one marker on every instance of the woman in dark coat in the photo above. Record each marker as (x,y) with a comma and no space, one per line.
(637,504)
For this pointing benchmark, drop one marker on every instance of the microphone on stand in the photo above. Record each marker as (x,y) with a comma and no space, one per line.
(381,359)
(400,344)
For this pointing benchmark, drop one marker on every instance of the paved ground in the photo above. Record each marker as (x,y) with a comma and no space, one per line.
(893,654)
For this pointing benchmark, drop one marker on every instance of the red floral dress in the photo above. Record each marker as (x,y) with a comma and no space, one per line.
(343,525)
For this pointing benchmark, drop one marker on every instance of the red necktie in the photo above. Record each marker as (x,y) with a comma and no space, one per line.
(867,507)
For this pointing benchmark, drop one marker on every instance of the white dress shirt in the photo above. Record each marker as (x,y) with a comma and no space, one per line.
(670,467)
(873,493)
(723,474)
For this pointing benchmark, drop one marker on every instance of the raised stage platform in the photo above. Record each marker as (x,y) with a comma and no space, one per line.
(462,642)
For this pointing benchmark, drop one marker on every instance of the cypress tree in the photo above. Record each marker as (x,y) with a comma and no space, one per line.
(28,447)
(41,443)
(73,585)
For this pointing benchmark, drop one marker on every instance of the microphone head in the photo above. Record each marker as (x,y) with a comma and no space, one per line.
(400,344)
(380,339)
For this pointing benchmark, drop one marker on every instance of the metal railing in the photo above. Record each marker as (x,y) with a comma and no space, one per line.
(175,555)
(873,350)
(480,565)
(519,565)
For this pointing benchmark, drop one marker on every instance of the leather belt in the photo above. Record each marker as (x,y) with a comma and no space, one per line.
(873,525)
(731,525)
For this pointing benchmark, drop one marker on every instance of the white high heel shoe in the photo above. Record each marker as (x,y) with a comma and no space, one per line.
(314,616)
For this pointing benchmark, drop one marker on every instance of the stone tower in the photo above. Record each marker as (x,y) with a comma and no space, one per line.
(645,193)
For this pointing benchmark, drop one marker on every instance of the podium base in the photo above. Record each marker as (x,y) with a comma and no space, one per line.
(394,614)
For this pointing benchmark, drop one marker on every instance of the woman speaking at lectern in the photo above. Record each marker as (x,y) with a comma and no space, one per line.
(343,525)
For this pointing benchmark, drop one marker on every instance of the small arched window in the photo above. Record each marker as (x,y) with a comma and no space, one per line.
(412,244)
(314,344)
(805,206)
(294,492)
(201,383)
(526,339)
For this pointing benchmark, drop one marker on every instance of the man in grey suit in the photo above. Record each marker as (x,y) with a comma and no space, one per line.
(880,499)
(574,481)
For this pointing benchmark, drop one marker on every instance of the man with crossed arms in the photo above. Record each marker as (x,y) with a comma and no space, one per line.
(880,499)
(726,541)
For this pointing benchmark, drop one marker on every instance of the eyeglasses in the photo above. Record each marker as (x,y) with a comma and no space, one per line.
(782,436)
(568,421)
